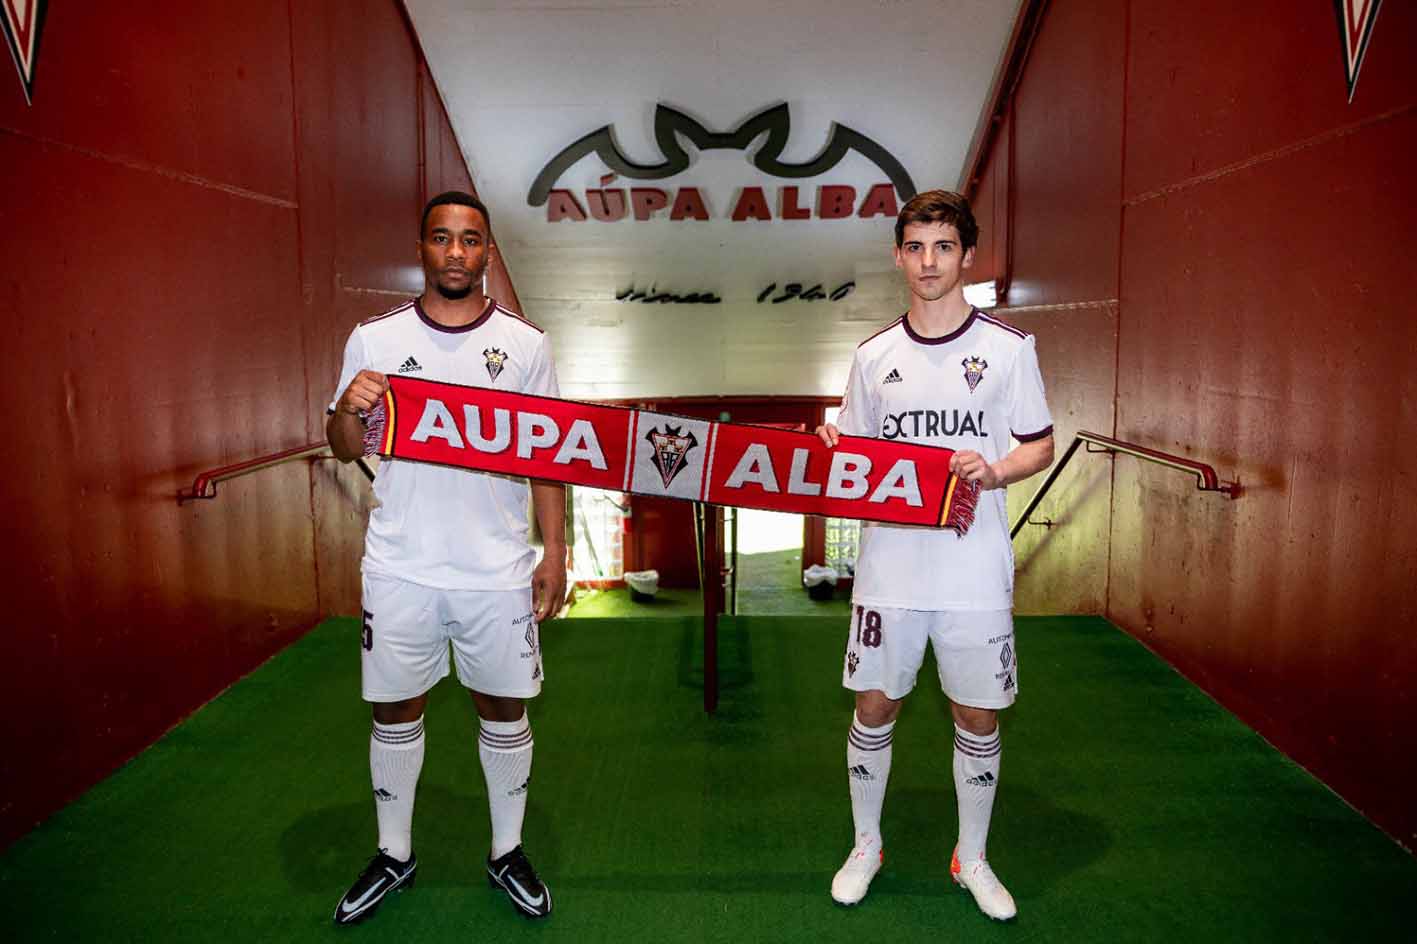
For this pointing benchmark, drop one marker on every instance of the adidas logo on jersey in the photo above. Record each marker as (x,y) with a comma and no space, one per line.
(409,366)
(985,779)
(893,377)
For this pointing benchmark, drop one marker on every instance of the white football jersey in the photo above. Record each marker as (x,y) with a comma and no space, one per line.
(971,389)
(452,529)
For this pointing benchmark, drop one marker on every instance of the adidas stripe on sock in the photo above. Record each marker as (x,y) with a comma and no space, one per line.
(976,770)
(504,747)
(395,761)
(868,768)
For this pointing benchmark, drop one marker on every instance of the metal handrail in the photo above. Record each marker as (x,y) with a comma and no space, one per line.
(1206,479)
(204,485)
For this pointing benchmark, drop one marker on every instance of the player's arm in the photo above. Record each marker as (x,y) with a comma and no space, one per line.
(344,429)
(548,503)
(1027,409)
(548,581)
(1025,459)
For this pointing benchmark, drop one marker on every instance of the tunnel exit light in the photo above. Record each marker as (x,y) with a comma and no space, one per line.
(981,294)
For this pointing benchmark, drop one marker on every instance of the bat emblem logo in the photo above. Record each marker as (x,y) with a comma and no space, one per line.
(670,124)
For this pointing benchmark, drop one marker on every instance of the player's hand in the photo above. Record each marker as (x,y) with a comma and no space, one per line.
(548,586)
(972,467)
(829,435)
(363,393)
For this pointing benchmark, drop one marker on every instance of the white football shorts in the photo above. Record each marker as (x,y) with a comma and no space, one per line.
(974,652)
(408,627)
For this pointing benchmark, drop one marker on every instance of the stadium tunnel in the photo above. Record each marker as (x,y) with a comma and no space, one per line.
(1201,211)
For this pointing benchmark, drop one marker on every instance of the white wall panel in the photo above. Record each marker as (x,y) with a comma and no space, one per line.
(523,80)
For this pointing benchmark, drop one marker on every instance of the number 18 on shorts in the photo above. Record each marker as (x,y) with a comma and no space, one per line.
(974,652)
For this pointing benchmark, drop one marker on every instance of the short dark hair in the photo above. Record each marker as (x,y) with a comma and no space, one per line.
(939,206)
(453,198)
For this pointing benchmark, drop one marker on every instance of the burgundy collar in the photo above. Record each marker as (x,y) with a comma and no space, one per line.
(460,329)
(920,339)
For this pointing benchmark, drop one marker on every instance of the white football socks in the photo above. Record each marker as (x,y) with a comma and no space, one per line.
(976,769)
(868,767)
(395,761)
(504,747)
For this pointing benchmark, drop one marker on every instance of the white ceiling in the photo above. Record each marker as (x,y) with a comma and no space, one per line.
(523,79)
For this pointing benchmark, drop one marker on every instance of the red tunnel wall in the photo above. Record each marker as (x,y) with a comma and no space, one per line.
(1213,245)
(194,218)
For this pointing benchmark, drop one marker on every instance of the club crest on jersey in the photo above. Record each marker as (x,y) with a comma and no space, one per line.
(974,367)
(671,448)
(496,360)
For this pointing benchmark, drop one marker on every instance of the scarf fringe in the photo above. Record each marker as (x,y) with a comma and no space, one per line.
(374,424)
(962,505)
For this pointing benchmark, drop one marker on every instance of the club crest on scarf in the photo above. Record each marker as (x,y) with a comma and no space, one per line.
(496,360)
(974,367)
(671,448)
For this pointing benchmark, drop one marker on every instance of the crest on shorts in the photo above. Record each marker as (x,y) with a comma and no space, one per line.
(974,367)
(671,448)
(496,360)
(851,663)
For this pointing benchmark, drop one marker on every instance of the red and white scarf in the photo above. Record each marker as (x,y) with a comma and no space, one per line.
(664,455)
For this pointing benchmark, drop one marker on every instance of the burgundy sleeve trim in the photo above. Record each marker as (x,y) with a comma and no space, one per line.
(882,331)
(388,314)
(522,318)
(1031,437)
(1003,324)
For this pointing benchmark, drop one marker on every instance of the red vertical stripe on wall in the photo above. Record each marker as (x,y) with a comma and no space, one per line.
(194,237)
(1259,320)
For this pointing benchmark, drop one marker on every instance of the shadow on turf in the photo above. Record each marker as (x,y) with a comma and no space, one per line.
(325,849)
(1033,843)
(735,657)
(919,839)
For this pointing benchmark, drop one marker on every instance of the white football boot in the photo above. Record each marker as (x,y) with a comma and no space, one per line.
(989,893)
(854,877)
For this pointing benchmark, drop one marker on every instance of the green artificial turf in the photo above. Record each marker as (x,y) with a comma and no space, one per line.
(1130,808)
